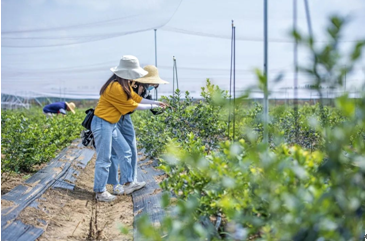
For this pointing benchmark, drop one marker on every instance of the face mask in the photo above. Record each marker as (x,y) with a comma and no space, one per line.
(149,88)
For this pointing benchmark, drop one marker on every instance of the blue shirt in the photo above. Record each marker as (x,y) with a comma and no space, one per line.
(58,107)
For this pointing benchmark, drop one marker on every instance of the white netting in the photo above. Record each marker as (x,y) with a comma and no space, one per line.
(64,48)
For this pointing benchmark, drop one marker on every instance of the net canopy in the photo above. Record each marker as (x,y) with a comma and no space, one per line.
(65,48)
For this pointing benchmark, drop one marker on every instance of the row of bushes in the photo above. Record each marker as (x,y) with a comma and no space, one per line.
(304,187)
(28,138)
(208,120)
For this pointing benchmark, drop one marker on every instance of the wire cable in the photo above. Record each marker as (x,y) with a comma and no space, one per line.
(223,36)
(174,13)
(83,25)
(77,41)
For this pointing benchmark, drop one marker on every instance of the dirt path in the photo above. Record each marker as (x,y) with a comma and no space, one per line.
(9,180)
(75,215)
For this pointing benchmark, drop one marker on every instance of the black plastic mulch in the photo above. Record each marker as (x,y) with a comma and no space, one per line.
(58,173)
(147,200)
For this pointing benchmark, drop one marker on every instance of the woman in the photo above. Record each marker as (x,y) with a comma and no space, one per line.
(129,171)
(117,99)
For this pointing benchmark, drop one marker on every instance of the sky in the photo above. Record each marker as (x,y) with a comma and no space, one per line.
(65,48)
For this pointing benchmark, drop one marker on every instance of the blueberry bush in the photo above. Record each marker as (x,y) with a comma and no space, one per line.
(306,183)
(28,138)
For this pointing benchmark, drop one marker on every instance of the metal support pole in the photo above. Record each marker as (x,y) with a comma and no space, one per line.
(173,77)
(266,101)
(38,102)
(295,60)
(156,62)
(156,93)
(308,19)
(345,81)
(175,63)
(234,82)
(230,81)
(155,44)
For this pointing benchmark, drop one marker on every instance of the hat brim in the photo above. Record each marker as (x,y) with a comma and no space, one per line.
(129,74)
(151,80)
(72,110)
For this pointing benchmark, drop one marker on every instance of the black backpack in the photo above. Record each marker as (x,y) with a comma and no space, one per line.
(87,135)
(88,119)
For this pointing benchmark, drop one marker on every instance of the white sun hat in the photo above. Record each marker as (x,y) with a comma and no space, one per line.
(129,68)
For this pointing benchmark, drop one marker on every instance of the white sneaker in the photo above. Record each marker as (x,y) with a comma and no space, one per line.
(105,197)
(118,190)
(143,183)
(133,186)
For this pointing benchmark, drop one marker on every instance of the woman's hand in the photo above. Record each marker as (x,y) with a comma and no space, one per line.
(162,104)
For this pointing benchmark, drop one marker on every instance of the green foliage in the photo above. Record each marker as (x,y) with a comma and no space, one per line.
(181,224)
(329,66)
(28,138)
(204,119)
(262,192)
(307,183)
(283,193)
(309,116)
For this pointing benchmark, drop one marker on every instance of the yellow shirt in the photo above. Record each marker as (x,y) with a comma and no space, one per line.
(113,103)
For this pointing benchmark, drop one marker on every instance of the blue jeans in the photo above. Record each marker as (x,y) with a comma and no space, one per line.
(128,170)
(107,138)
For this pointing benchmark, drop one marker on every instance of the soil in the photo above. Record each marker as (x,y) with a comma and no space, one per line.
(146,163)
(11,180)
(156,191)
(75,215)
(67,215)
(142,158)
(6,203)
(159,179)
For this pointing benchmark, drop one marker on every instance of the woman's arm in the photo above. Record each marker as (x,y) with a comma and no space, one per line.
(147,101)
(146,106)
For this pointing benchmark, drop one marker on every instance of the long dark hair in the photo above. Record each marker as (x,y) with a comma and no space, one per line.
(123,82)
